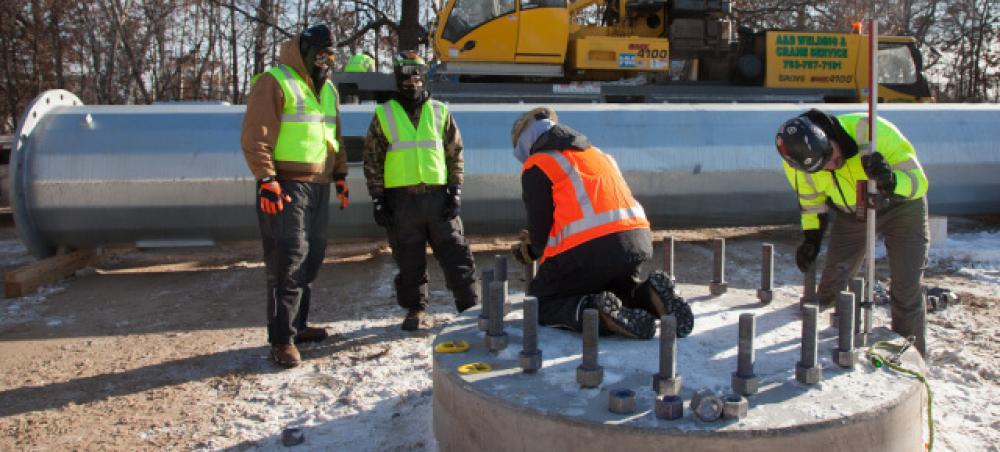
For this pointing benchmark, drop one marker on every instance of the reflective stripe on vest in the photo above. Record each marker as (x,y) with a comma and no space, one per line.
(308,125)
(415,155)
(589,224)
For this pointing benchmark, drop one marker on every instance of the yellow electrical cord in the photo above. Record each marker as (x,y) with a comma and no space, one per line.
(892,362)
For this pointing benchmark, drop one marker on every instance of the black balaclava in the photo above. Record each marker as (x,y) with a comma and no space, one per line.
(312,41)
(409,97)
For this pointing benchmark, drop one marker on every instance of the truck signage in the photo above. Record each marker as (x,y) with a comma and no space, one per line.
(812,60)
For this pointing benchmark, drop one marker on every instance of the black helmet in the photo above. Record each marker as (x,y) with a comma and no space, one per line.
(803,144)
(407,64)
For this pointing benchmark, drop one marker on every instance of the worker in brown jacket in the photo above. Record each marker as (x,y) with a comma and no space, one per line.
(291,142)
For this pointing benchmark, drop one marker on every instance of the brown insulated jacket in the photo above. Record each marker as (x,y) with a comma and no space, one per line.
(262,122)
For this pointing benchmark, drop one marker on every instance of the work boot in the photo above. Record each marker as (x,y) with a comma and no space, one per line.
(465,299)
(413,320)
(285,355)
(617,319)
(658,297)
(311,334)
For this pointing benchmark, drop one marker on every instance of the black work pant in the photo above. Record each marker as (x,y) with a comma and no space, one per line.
(418,220)
(294,246)
(593,267)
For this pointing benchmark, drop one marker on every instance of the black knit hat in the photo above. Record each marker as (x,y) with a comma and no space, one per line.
(318,36)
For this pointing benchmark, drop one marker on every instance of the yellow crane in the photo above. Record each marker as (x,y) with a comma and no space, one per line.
(679,46)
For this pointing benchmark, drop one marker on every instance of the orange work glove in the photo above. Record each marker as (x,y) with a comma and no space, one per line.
(272,200)
(342,192)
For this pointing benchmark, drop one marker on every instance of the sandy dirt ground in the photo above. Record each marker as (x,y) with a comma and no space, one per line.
(165,350)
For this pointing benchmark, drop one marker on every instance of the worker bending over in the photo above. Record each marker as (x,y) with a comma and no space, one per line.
(589,233)
(823,164)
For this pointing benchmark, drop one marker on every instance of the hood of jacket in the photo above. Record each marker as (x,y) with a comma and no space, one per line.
(289,54)
(561,138)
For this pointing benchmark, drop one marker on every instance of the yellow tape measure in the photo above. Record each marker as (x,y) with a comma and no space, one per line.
(474,368)
(451,347)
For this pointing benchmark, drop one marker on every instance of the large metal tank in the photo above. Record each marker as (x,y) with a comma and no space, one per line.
(84,176)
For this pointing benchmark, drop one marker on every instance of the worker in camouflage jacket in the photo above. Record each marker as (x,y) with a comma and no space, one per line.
(413,165)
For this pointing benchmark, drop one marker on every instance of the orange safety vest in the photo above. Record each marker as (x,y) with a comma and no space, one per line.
(590,195)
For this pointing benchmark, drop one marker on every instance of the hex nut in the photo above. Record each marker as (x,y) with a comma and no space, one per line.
(706,406)
(765,296)
(589,378)
(718,288)
(670,407)
(846,359)
(808,375)
(745,385)
(667,386)
(735,406)
(530,362)
(496,343)
(621,401)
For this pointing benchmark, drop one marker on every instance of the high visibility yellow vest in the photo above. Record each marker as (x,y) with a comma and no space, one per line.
(415,155)
(308,125)
(360,63)
(840,186)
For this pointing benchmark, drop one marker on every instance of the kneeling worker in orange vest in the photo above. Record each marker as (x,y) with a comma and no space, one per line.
(590,234)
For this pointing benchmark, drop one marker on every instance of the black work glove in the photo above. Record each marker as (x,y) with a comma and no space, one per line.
(381,212)
(808,251)
(452,201)
(879,171)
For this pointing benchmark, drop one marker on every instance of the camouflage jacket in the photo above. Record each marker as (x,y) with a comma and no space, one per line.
(376,146)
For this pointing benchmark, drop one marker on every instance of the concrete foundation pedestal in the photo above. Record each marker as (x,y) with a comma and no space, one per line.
(865,409)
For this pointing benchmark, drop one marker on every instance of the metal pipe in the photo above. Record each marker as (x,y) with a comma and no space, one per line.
(744,381)
(85,176)
(496,338)
(666,381)
(765,293)
(589,373)
(857,287)
(807,370)
(530,341)
(590,342)
(500,267)
(746,352)
(810,346)
(845,333)
(845,355)
(668,256)
(530,358)
(718,286)
(485,282)
(808,287)
(668,346)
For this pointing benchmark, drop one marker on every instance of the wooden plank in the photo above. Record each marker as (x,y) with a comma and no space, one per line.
(27,279)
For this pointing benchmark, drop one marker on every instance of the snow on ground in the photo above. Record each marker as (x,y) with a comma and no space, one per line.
(27,308)
(381,398)
(374,393)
